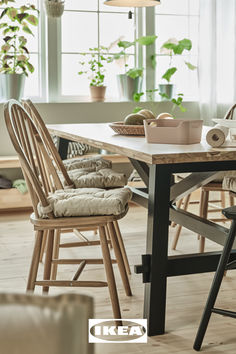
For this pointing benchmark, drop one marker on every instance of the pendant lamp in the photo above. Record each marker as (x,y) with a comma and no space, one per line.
(132,3)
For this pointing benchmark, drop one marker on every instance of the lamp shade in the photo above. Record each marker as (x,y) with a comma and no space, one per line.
(132,3)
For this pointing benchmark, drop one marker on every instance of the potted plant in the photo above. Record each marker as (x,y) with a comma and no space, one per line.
(172,47)
(95,70)
(131,80)
(14,55)
(54,8)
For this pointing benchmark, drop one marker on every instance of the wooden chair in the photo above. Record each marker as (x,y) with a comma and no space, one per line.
(223,265)
(42,180)
(45,324)
(34,114)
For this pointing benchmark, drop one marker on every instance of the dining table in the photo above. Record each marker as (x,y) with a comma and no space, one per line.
(156,165)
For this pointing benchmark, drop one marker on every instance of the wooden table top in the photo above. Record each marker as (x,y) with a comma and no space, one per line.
(103,137)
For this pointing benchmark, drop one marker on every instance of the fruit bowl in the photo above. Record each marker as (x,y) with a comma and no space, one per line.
(123,129)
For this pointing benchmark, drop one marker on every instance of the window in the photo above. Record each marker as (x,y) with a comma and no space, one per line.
(89,24)
(178,19)
(57,46)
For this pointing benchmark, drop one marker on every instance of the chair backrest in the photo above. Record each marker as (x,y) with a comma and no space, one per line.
(33,324)
(39,122)
(36,161)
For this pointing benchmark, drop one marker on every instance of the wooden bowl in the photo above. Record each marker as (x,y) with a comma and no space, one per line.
(122,129)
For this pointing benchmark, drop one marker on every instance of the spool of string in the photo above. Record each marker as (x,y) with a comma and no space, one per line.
(217,136)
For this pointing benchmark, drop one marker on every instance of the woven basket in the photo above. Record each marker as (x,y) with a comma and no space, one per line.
(54,9)
(121,128)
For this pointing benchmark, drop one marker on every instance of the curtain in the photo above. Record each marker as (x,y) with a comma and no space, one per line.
(217,58)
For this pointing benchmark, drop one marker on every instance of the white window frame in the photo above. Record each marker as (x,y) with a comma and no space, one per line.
(54,59)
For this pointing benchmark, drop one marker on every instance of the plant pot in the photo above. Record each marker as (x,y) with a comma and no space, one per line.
(97,93)
(12,86)
(54,8)
(128,86)
(168,89)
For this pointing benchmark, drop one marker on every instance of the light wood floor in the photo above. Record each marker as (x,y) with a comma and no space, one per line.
(186,294)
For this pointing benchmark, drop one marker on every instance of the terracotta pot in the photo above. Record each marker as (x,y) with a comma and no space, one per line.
(97,93)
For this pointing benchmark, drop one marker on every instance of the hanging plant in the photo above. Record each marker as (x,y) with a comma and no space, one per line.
(54,8)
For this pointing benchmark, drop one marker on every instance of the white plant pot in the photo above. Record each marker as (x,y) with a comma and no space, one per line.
(168,89)
(128,86)
(54,8)
(12,86)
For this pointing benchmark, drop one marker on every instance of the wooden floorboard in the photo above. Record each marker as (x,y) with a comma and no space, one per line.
(186,294)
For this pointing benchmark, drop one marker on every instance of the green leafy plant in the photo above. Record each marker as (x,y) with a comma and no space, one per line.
(177,102)
(142,41)
(93,67)
(174,47)
(14,23)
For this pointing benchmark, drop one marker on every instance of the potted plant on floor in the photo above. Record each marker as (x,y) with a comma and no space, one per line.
(172,47)
(14,55)
(95,70)
(131,80)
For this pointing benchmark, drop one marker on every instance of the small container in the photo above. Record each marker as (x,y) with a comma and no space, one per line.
(173,131)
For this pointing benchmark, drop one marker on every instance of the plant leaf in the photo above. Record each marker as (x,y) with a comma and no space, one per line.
(146,40)
(125,44)
(32,20)
(135,72)
(137,96)
(27,29)
(168,74)
(190,66)
(153,61)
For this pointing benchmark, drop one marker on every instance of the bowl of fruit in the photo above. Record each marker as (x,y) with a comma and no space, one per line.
(133,123)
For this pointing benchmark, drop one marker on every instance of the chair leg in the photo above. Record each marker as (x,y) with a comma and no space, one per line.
(179,228)
(48,259)
(122,247)
(45,235)
(108,237)
(109,273)
(222,197)
(55,254)
(203,213)
(35,261)
(215,287)
(231,200)
(119,258)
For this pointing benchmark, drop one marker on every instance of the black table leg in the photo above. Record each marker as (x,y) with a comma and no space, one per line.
(157,247)
(63,148)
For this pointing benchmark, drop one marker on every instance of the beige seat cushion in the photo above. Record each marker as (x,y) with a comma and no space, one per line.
(87,162)
(31,324)
(229,183)
(88,202)
(97,178)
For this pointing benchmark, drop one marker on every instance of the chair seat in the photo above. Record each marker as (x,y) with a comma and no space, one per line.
(87,202)
(87,162)
(97,178)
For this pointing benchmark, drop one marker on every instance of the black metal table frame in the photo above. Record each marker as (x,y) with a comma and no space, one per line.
(159,198)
